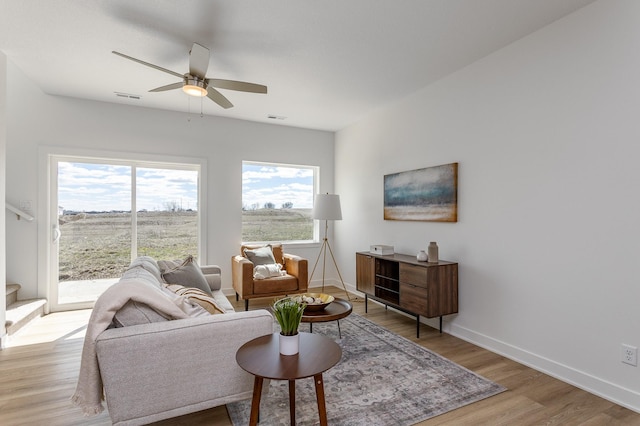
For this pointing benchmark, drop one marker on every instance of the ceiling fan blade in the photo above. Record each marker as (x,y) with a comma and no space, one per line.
(218,98)
(168,87)
(148,64)
(237,85)
(198,61)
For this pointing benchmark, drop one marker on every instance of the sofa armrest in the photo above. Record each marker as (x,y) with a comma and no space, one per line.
(298,267)
(242,275)
(159,370)
(213,274)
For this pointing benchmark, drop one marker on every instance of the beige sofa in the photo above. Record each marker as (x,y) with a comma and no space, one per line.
(157,370)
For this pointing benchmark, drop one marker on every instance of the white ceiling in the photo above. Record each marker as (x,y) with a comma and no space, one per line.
(326,63)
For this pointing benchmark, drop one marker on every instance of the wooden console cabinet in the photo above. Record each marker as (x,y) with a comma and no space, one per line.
(400,281)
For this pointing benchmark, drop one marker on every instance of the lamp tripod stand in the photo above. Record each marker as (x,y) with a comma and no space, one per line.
(323,253)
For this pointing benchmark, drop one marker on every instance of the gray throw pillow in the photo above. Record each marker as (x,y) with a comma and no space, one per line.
(260,256)
(187,274)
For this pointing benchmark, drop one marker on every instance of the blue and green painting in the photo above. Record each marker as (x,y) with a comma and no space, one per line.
(429,194)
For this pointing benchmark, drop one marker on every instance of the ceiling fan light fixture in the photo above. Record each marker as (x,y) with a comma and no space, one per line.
(195,87)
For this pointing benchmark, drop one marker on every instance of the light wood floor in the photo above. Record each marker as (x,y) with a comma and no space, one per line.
(38,374)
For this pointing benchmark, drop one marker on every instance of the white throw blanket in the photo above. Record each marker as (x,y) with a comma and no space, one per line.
(89,393)
(261,272)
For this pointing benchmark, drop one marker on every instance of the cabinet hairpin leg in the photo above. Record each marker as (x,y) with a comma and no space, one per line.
(440,324)
(417,326)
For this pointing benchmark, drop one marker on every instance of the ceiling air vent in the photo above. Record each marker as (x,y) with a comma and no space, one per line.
(276,117)
(127,95)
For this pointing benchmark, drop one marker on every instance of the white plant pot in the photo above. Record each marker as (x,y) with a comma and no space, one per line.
(289,345)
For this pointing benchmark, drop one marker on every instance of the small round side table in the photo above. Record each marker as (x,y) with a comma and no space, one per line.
(335,311)
(261,357)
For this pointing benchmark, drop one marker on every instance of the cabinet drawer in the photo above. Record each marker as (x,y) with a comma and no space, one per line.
(414,299)
(412,274)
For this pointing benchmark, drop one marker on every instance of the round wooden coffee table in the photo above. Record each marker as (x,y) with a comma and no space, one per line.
(261,357)
(335,311)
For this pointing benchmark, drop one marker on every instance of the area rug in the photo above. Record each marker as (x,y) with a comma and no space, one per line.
(382,379)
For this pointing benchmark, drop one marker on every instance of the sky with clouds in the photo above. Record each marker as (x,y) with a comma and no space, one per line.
(87,187)
(104,187)
(277,184)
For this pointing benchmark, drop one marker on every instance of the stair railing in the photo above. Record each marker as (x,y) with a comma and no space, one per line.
(19,213)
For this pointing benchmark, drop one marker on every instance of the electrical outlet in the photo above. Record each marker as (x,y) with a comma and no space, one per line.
(630,355)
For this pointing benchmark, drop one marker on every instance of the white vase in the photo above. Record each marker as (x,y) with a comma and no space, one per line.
(289,345)
(422,256)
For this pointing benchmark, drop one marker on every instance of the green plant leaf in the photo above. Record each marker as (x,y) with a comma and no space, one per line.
(288,313)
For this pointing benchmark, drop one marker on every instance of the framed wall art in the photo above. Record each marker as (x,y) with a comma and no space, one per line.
(429,194)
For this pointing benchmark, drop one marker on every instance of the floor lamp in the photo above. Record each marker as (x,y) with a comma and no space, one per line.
(327,207)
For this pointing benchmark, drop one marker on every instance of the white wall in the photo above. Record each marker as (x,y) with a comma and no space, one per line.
(37,120)
(3,145)
(546,134)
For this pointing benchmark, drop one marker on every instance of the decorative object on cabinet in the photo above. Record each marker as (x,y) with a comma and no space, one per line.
(433,252)
(429,194)
(381,249)
(422,256)
(327,207)
(417,288)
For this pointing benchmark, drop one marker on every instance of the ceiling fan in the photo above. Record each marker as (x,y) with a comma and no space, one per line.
(195,82)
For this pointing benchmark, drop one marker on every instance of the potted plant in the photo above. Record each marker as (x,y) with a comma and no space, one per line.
(288,313)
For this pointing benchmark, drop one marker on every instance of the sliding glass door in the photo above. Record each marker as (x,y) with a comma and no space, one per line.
(109,212)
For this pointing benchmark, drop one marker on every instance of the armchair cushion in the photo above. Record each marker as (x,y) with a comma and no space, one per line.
(261,272)
(260,255)
(187,274)
(282,284)
(276,248)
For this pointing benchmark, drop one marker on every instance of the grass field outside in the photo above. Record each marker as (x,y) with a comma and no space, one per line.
(98,245)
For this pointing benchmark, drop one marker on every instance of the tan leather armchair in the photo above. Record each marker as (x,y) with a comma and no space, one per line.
(295,280)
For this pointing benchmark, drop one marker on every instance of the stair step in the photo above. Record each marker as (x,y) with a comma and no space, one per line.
(12,293)
(20,313)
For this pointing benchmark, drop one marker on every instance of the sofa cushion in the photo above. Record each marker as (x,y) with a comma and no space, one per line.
(148,264)
(260,255)
(139,272)
(187,274)
(198,296)
(134,313)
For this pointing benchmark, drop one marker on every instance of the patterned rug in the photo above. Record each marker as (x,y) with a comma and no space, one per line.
(382,379)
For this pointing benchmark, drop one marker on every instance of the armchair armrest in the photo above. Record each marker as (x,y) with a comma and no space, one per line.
(213,274)
(298,267)
(242,275)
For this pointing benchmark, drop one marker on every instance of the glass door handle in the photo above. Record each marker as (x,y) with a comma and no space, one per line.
(56,233)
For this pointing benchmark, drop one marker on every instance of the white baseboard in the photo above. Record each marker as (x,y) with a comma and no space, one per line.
(602,388)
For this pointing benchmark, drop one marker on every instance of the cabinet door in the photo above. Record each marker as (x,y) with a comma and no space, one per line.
(365,273)
(414,299)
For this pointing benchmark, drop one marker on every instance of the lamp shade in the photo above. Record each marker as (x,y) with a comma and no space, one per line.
(327,207)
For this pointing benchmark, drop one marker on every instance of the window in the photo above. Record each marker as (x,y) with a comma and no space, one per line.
(277,201)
